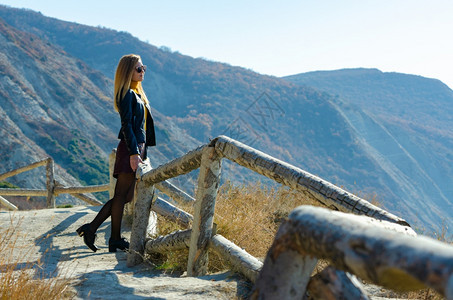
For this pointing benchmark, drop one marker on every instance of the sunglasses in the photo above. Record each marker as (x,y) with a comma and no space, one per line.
(140,69)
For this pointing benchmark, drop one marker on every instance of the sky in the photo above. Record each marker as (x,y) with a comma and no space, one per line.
(282,37)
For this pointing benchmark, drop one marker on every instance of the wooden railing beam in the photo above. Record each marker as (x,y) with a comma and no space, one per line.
(23,169)
(88,199)
(7,204)
(174,168)
(362,246)
(237,257)
(178,240)
(174,192)
(81,189)
(23,192)
(289,175)
(172,213)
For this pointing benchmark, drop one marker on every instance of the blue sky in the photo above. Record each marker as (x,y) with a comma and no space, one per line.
(283,37)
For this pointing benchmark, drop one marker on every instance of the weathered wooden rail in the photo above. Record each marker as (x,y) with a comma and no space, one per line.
(374,251)
(371,243)
(53,188)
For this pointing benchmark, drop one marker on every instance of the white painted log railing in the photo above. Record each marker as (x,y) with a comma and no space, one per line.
(375,251)
(202,235)
(53,187)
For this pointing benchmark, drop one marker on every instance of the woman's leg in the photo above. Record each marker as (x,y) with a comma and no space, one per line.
(124,193)
(122,188)
(102,215)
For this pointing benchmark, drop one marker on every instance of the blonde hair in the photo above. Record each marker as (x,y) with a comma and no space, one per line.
(123,78)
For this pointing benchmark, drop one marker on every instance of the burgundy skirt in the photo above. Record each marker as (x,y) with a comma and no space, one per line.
(122,161)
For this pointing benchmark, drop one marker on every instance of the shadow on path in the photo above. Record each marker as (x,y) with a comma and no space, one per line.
(51,255)
(104,284)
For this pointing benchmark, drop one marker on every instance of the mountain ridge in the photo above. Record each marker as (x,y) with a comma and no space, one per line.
(409,140)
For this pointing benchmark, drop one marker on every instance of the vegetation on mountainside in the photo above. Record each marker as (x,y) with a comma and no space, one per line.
(80,158)
(7,185)
(44,105)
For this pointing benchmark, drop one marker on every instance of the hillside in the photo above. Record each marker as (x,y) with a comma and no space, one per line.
(55,105)
(406,123)
(38,119)
(195,100)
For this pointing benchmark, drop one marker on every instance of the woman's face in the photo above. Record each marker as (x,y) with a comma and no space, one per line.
(136,76)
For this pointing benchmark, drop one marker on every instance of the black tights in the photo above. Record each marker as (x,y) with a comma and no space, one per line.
(124,192)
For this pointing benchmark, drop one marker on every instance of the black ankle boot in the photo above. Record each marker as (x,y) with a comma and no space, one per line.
(89,236)
(121,244)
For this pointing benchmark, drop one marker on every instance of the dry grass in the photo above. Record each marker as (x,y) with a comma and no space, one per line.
(248,215)
(21,279)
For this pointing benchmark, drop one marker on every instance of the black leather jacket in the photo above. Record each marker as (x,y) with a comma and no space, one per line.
(132,113)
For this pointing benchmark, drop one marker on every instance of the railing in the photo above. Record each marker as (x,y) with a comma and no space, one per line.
(378,252)
(298,250)
(53,187)
(376,246)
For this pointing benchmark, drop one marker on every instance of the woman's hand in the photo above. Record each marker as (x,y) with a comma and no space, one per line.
(134,161)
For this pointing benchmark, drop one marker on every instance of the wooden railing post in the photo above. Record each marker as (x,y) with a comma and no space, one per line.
(208,184)
(141,215)
(286,272)
(140,222)
(50,183)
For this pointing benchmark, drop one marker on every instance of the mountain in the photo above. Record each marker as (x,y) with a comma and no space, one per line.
(38,119)
(194,100)
(405,122)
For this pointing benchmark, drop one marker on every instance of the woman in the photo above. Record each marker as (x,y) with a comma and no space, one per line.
(137,132)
